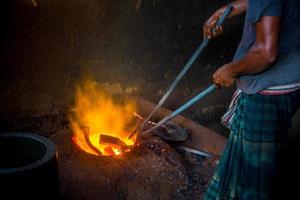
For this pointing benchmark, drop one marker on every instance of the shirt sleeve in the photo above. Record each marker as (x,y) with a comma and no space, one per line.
(259,8)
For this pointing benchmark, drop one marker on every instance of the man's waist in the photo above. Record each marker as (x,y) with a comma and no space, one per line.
(281,89)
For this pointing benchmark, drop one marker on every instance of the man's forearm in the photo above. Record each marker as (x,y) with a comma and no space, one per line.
(263,52)
(254,62)
(239,7)
(259,57)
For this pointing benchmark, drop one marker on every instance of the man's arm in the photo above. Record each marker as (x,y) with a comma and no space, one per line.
(261,55)
(239,7)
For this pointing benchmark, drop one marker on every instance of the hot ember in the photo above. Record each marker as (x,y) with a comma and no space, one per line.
(100,125)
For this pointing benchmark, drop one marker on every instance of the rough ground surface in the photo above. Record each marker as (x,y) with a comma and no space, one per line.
(153,170)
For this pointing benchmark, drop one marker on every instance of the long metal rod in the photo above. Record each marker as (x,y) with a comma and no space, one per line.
(184,70)
(182,108)
(198,152)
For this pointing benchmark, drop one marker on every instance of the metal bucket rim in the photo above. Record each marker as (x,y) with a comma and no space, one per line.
(48,155)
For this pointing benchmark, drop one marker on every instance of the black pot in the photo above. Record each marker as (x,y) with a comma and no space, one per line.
(28,167)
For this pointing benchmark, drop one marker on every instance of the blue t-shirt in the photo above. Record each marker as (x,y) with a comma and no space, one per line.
(286,69)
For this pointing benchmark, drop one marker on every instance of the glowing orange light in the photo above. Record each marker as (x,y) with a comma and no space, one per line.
(94,108)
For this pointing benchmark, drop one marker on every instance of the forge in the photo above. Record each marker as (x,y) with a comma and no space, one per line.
(148,169)
(96,158)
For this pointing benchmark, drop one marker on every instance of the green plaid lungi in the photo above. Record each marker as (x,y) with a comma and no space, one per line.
(259,129)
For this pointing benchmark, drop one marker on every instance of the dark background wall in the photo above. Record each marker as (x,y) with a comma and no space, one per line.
(141,44)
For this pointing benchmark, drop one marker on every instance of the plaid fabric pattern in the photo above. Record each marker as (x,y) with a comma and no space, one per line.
(260,127)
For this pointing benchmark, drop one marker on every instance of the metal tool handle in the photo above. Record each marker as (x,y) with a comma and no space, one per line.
(185,69)
(182,108)
(224,16)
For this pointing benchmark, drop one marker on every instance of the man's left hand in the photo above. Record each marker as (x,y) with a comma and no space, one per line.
(224,77)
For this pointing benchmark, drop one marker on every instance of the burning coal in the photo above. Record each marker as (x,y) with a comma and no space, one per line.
(100,125)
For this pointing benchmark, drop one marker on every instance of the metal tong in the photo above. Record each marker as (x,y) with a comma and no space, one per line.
(176,81)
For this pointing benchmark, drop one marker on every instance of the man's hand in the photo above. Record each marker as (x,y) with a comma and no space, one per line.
(210,24)
(239,7)
(224,77)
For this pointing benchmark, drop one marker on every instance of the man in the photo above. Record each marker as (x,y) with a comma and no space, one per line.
(266,69)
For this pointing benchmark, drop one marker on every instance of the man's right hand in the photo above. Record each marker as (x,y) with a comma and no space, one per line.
(239,7)
(210,24)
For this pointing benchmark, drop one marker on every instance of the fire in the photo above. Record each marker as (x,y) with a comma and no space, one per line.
(94,114)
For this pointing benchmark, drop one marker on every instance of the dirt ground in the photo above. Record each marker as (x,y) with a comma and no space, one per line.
(153,170)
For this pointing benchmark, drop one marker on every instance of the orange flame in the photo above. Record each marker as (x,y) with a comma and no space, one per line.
(96,113)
